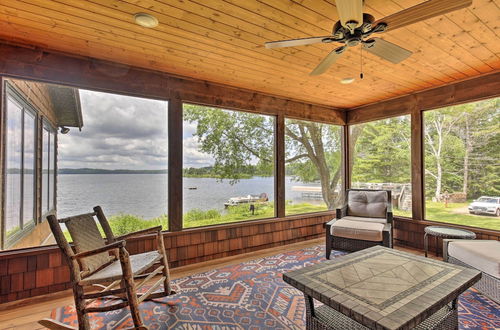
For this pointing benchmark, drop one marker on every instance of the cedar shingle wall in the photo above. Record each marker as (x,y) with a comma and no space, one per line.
(38,271)
(38,95)
(410,233)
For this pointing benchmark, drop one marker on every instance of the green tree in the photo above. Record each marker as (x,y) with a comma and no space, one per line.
(382,152)
(238,139)
(235,139)
(313,152)
(479,131)
(462,149)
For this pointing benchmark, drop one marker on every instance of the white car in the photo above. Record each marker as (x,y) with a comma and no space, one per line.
(485,205)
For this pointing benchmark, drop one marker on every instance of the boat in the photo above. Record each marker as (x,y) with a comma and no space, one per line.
(234,201)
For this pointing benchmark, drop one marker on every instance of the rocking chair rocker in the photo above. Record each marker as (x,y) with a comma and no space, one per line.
(107,264)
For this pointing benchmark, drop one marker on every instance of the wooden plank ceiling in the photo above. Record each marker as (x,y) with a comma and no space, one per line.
(222,41)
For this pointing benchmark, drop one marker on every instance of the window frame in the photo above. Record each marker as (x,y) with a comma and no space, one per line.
(276,201)
(424,200)
(51,130)
(343,163)
(26,106)
(350,159)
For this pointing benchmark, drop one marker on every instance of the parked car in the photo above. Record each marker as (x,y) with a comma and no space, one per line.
(485,205)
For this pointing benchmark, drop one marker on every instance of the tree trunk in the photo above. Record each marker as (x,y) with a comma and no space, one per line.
(439,178)
(354,134)
(468,150)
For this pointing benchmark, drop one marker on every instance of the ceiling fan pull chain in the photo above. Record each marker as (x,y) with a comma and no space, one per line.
(361,73)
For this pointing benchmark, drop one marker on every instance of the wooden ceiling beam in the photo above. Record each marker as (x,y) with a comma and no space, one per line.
(470,90)
(20,61)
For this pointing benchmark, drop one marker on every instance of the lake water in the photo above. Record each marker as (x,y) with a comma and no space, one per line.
(145,195)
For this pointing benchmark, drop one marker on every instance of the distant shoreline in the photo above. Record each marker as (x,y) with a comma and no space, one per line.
(63,171)
(103,171)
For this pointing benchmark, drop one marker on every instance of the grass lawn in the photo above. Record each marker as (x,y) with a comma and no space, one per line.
(455,213)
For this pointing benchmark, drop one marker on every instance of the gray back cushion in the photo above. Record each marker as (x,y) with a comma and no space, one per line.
(372,204)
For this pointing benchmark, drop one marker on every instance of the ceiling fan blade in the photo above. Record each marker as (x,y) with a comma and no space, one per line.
(350,10)
(387,50)
(294,42)
(422,11)
(328,61)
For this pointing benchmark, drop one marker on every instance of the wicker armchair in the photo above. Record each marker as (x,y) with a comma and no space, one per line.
(365,220)
(483,255)
(107,264)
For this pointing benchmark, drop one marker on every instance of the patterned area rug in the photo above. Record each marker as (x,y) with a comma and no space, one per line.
(251,295)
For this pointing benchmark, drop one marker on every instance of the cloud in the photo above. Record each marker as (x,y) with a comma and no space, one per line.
(119,132)
(193,157)
(123,132)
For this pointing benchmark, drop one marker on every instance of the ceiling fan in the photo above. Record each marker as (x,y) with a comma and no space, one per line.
(356,27)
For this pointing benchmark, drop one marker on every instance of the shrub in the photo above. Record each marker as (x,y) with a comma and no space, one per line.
(126,223)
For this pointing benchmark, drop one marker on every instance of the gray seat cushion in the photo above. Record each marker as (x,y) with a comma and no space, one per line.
(376,220)
(371,204)
(483,255)
(361,230)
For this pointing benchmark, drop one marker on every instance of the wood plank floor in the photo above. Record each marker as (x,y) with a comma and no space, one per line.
(25,314)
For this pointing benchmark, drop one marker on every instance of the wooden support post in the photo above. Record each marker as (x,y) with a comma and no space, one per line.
(417,163)
(175,165)
(2,163)
(346,173)
(279,175)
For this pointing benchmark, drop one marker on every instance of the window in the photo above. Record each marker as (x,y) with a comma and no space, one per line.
(117,161)
(462,164)
(20,166)
(381,159)
(228,166)
(29,167)
(313,166)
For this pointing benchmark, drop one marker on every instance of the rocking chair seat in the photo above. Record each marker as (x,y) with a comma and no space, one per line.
(139,263)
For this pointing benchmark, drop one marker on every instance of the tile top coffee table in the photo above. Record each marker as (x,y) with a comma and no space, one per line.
(382,288)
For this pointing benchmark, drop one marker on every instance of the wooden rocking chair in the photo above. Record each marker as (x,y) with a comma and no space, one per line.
(108,266)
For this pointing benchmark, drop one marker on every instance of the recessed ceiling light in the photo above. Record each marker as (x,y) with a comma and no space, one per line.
(348,80)
(146,20)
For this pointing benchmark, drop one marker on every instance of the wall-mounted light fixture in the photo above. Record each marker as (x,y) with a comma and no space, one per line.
(64,130)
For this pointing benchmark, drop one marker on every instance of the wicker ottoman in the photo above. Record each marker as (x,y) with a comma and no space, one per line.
(483,255)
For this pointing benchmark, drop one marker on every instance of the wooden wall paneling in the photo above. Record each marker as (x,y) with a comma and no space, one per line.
(229,25)
(279,174)
(208,39)
(175,159)
(53,67)
(417,163)
(474,89)
(37,95)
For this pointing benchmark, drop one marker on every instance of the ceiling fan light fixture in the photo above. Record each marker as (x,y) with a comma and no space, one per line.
(350,13)
(146,20)
(347,80)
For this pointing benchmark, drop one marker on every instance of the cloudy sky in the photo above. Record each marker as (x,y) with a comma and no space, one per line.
(123,132)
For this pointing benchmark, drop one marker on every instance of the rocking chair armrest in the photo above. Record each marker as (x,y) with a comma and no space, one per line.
(140,232)
(114,245)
